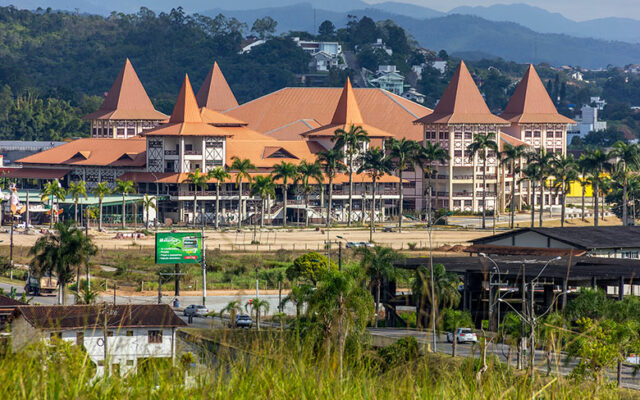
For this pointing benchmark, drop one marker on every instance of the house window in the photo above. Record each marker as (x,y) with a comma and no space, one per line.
(527,134)
(458,135)
(558,134)
(536,134)
(468,203)
(120,131)
(131,131)
(457,153)
(467,135)
(129,333)
(79,338)
(155,336)
(457,203)
(549,134)
(188,147)
(444,135)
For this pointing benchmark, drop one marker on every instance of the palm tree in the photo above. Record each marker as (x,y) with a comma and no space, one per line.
(287,172)
(428,155)
(445,288)
(583,169)
(350,142)
(242,168)
(77,189)
(256,305)
(532,174)
(597,163)
(58,252)
(543,160)
(480,146)
(564,172)
(199,181)
(404,154)
(52,191)
(511,155)
(264,188)
(100,190)
(148,202)
(124,187)
(298,295)
(377,264)
(628,160)
(233,308)
(376,164)
(332,164)
(220,175)
(306,172)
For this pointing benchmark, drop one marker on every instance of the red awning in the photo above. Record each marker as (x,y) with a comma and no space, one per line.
(34,173)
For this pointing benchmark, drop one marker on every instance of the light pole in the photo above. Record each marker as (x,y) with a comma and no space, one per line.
(433,290)
(340,252)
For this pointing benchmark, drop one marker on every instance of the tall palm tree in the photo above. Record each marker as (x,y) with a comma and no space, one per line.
(597,163)
(428,155)
(199,181)
(628,160)
(233,308)
(52,191)
(242,168)
(287,172)
(404,154)
(480,145)
(308,171)
(220,175)
(377,264)
(100,190)
(77,190)
(332,164)
(543,160)
(257,305)
(299,295)
(583,169)
(445,287)
(148,202)
(564,172)
(124,187)
(59,252)
(350,142)
(532,174)
(376,164)
(264,188)
(512,155)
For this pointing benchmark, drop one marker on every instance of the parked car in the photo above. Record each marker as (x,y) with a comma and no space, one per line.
(352,245)
(464,335)
(244,321)
(366,244)
(196,310)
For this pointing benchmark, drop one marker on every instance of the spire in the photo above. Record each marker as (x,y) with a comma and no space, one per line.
(186,108)
(531,102)
(347,111)
(215,93)
(462,102)
(127,99)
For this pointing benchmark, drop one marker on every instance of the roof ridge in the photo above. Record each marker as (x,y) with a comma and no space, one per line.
(215,93)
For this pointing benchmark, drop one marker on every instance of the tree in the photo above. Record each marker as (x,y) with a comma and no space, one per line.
(298,295)
(429,155)
(263,187)
(597,163)
(256,305)
(532,174)
(242,168)
(454,319)
(512,155)
(264,27)
(310,267)
(100,190)
(220,175)
(52,191)
(376,164)
(306,172)
(543,161)
(583,169)
(77,189)
(627,160)
(199,181)
(377,264)
(480,145)
(350,141)
(148,202)
(404,154)
(59,252)
(332,164)
(233,308)
(124,187)
(326,30)
(287,172)
(564,172)
(445,288)
(511,332)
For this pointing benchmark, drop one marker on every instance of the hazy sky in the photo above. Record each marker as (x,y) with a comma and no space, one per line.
(578,10)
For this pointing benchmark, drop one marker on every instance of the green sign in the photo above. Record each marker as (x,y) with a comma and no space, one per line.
(178,248)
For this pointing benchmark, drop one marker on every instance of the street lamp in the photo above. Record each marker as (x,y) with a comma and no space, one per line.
(340,252)
(433,290)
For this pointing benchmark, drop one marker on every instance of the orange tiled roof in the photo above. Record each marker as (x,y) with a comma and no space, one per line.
(283,108)
(215,93)
(294,130)
(186,119)
(267,153)
(127,99)
(218,119)
(531,103)
(461,103)
(94,152)
(506,138)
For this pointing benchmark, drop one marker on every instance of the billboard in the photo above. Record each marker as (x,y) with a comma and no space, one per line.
(178,248)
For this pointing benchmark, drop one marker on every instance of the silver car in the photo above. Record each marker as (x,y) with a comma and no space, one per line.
(464,335)
(196,310)
(244,321)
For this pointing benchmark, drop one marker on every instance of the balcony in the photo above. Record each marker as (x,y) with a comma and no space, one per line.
(462,194)
(489,177)
(193,152)
(463,177)
(171,152)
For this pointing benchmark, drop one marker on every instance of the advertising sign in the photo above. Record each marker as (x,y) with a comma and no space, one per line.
(178,248)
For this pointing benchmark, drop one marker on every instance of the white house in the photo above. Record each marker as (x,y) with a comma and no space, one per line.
(577,76)
(413,95)
(125,335)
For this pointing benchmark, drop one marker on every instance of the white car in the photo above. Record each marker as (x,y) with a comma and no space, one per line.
(196,310)
(464,335)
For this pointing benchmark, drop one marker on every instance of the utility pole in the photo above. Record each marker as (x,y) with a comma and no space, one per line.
(524,312)
(204,269)
(26,224)
(159,289)
(339,256)
(176,284)
(11,248)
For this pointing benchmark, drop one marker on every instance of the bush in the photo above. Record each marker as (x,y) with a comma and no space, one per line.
(412,245)
(402,351)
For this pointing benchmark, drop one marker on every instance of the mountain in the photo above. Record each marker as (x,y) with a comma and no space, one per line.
(540,20)
(408,10)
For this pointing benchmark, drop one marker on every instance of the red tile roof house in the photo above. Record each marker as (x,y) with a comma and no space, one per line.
(133,333)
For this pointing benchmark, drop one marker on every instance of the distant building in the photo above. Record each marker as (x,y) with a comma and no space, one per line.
(12,150)
(577,76)
(250,43)
(126,335)
(413,95)
(379,44)
(597,102)
(587,123)
(440,65)
(325,55)
(390,81)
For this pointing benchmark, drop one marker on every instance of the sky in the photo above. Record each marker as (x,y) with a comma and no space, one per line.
(578,10)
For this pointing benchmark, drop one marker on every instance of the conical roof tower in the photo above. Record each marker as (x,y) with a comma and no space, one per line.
(215,93)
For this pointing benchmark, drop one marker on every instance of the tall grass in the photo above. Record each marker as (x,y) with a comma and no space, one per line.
(272,365)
